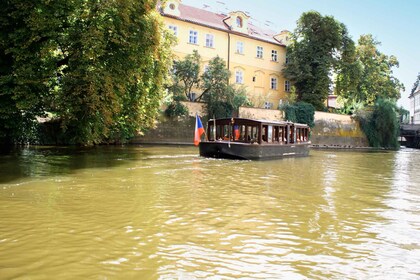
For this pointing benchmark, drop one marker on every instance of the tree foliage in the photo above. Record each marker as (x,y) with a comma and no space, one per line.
(373,77)
(221,98)
(186,74)
(300,112)
(98,67)
(212,86)
(416,84)
(404,115)
(380,124)
(322,49)
(317,46)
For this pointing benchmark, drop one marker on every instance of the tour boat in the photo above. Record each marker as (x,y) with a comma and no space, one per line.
(239,138)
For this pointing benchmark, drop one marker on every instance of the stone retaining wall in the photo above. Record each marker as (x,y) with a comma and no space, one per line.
(341,131)
(331,130)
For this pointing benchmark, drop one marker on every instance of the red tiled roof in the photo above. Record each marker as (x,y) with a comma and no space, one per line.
(202,17)
(217,21)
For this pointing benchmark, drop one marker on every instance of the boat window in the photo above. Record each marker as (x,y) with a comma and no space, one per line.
(218,132)
(276,134)
(292,134)
(270,134)
(211,132)
(238,132)
(221,132)
(226,132)
(282,136)
(264,133)
(251,134)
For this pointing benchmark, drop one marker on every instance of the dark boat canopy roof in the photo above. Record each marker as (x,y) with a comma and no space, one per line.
(244,121)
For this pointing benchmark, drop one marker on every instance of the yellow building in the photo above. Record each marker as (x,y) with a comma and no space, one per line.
(254,56)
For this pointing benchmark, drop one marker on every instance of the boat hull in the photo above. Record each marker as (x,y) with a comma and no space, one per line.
(246,151)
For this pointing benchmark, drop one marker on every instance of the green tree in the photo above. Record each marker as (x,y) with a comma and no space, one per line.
(416,84)
(300,112)
(380,123)
(99,67)
(186,74)
(317,46)
(221,98)
(404,115)
(28,41)
(376,80)
(348,72)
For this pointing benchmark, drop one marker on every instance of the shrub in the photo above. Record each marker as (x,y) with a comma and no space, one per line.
(176,109)
(380,124)
(300,112)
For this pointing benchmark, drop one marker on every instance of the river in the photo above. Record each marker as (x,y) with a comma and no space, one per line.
(158,212)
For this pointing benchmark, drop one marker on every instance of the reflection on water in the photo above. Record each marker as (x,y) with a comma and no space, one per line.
(165,213)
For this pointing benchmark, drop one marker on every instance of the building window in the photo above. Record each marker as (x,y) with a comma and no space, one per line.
(193,37)
(287,59)
(239,77)
(209,40)
(287,86)
(240,47)
(174,29)
(268,105)
(172,6)
(260,51)
(274,55)
(239,22)
(273,83)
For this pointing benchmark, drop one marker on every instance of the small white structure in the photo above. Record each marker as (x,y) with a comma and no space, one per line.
(415,106)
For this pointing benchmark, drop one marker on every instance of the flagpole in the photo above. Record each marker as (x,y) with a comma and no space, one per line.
(214,128)
(205,132)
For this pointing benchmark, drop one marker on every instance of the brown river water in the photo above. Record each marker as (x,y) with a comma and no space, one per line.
(158,212)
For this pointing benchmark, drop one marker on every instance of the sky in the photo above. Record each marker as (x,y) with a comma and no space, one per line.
(396,24)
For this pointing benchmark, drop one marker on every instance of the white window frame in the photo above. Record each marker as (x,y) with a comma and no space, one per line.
(274,55)
(260,52)
(239,76)
(174,29)
(287,86)
(209,40)
(193,37)
(239,22)
(240,47)
(274,83)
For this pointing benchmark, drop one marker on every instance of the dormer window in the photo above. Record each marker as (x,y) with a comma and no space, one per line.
(239,22)
(171,7)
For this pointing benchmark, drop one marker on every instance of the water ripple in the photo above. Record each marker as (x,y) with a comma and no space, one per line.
(161,213)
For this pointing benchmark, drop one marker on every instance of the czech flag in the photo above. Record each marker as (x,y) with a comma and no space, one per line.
(199,130)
